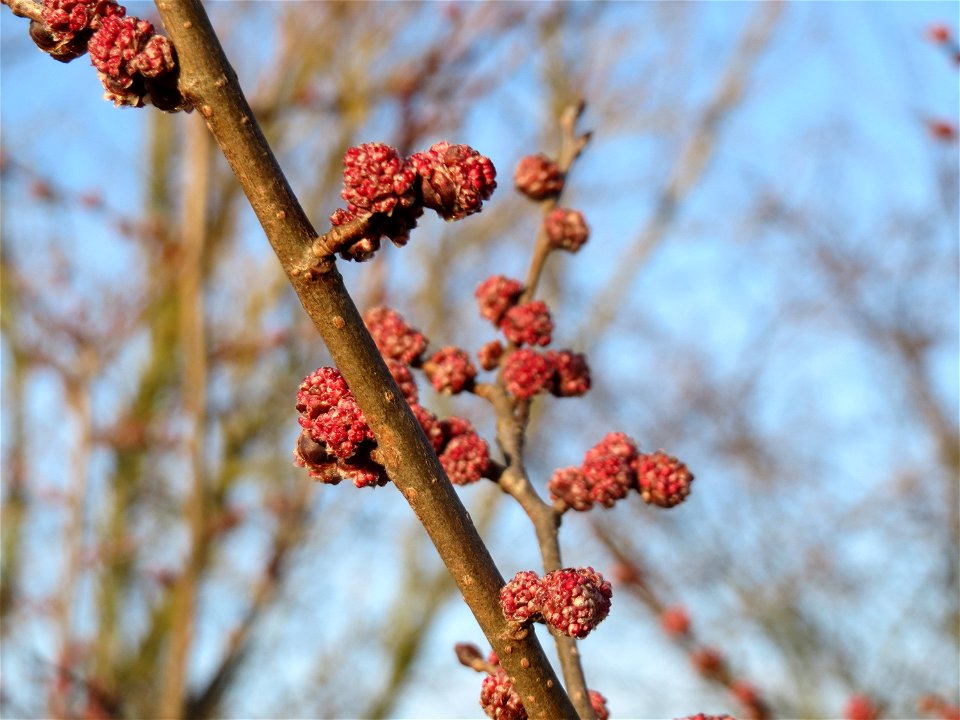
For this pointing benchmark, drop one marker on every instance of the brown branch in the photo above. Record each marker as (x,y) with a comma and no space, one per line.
(211,84)
(25,9)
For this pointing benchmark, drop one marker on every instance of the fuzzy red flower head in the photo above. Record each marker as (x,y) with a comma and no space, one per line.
(571,373)
(938,33)
(662,479)
(499,699)
(528,323)
(710,663)
(496,295)
(942,130)
(329,412)
(538,177)
(455,179)
(489,355)
(396,227)
(526,373)
(68,25)
(376,180)
(599,704)
(328,469)
(128,55)
(466,455)
(575,600)
(608,467)
(520,598)
(566,229)
(393,336)
(570,485)
(450,370)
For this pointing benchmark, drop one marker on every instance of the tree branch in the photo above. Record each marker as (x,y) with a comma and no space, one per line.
(210,83)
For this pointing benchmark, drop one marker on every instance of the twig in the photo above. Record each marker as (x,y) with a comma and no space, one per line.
(25,9)
(571,145)
(211,84)
(512,418)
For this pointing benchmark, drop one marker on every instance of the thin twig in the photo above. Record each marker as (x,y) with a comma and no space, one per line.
(512,419)
(571,146)
(25,9)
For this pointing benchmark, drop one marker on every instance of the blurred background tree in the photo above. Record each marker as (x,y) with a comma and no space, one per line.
(769,292)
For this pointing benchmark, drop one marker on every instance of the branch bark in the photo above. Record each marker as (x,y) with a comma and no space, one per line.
(211,85)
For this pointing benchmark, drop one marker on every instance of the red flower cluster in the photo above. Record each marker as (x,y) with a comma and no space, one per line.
(662,479)
(599,704)
(68,25)
(527,372)
(496,295)
(538,177)
(134,63)
(528,323)
(465,456)
(336,440)
(450,370)
(377,180)
(675,621)
(489,354)
(456,179)
(519,598)
(613,467)
(566,229)
(571,374)
(710,663)
(573,600)
(499,699)
(860,707)
(394,337)
(337,443)
(389,192)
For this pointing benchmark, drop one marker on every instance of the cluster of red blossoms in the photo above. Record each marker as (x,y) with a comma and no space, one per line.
(336,442)
(612,468)
(134,64)
(526,371)
(501,701)
(573,600)
(389,192)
